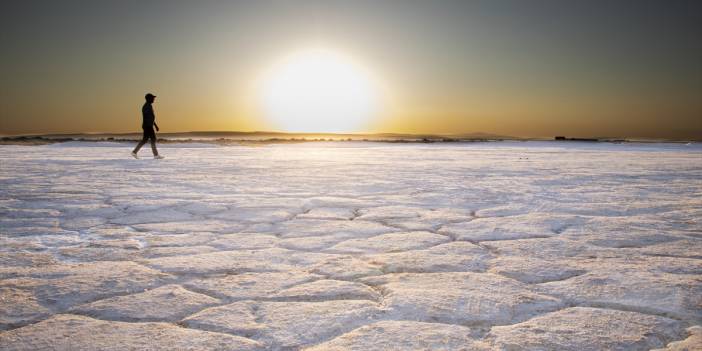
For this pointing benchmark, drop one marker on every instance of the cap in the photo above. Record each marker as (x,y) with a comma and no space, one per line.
(149,95)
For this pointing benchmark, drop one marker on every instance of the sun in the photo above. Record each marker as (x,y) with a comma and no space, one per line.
(318,91)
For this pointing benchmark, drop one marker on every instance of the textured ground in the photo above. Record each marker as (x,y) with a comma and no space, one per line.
(352,246)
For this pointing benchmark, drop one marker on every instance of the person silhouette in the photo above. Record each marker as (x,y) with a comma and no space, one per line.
(148,124)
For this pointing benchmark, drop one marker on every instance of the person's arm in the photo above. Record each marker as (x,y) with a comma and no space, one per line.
(153,116)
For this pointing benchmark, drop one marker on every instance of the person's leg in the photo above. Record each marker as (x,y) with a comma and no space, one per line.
(144,138)
(152,137)
(141,143)
(153,145)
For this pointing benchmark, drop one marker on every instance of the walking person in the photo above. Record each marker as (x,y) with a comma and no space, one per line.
(148,124)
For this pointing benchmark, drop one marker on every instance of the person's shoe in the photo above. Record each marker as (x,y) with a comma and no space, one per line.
(135,155)
(158,157)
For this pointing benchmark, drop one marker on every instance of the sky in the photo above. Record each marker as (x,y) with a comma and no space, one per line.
(525,68)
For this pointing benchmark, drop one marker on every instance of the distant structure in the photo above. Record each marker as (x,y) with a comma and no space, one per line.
(575,139)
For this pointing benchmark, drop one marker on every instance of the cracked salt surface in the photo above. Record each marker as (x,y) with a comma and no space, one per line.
(352,246)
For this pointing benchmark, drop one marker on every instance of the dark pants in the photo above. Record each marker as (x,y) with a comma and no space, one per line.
(149,134)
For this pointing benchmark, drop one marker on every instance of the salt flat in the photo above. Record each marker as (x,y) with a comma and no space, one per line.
(352,246)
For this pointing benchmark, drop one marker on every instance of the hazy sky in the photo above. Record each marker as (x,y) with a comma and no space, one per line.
(522,68)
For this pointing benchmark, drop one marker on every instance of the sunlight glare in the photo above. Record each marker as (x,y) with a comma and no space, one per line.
(318,91)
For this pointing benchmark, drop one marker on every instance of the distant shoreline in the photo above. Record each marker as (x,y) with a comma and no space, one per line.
(38,140)
(263,138)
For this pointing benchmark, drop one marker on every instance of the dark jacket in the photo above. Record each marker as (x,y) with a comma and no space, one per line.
(147,112)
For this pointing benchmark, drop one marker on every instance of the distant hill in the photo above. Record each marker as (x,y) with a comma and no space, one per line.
(259,136)
(232,137)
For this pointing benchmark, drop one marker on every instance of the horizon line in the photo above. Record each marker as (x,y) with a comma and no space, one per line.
(464,135)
